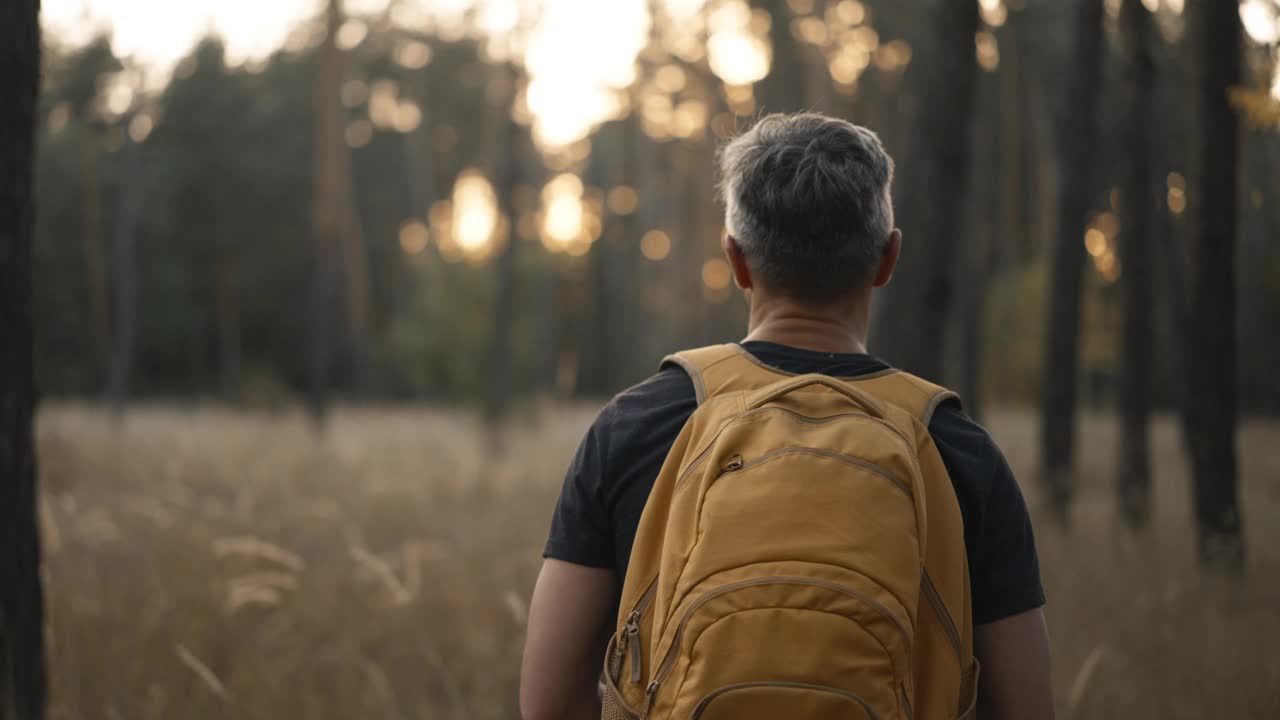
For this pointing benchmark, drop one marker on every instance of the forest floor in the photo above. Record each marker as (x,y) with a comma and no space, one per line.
(208,564)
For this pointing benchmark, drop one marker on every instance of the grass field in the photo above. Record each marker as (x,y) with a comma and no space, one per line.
(205,564)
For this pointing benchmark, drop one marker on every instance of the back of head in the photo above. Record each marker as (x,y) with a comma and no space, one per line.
(807,199)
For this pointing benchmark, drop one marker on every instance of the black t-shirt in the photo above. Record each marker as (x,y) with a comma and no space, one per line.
(608,483)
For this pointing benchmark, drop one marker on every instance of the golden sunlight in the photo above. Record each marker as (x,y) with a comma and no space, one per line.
(737,55)
(987,49)
(408,116)
(1261,21)
(1177,194)
(384,103)
(1095,242)
(1107,223)
(414,55)
(140,127)
(413,237)
(575,76)
(994,12)
(655,245)
(468,226)
(850,12)
(570,223)
(716,274)
(623,200)
(475,212)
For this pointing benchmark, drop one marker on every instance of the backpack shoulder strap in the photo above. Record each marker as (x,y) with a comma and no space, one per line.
(945,575)
(916,395)
(720,369)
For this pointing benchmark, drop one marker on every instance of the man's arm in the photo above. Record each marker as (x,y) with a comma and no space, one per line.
(1015,682)
(563,652)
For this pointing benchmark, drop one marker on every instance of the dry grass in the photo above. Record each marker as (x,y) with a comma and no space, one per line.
(202,564)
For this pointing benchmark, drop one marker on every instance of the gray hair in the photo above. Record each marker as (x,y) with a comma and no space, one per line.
(807,199)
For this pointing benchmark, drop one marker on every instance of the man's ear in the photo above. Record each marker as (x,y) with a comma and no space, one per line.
(889,260)
(737,261)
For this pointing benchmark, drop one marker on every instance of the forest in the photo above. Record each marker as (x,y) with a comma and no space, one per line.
(394,265)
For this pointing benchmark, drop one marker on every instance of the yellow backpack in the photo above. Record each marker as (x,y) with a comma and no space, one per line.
(801,556)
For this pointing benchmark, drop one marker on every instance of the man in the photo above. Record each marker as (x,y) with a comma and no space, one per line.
(810,236)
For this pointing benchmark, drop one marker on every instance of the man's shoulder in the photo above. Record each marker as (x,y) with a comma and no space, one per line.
(646,410)
(668,391)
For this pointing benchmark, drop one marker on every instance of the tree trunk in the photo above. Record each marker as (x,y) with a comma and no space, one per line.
(931,210)
(23,685)
(341,201)
(325,221)
(1133,464)
(689,240)
(783,89)
(95,256)
(506,177)
(1211,353)
(228,319)
(126,281)
(1170,256)
(1079,138)
(549,327)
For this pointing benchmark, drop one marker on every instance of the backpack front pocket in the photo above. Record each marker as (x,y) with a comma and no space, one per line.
(782,700)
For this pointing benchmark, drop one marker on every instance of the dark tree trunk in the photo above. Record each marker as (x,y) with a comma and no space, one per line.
(23,686)
(688,242)
(1216,32)
(507,164)
(228,320)
(94,255)
(1133,464)
(783,90)
(126,281)
(1079,138)
(549,327)
(931,199)
(341,202)
(1170,257)
(326,224)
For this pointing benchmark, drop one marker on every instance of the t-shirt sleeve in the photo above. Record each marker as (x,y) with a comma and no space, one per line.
(579,530)
(1004,568)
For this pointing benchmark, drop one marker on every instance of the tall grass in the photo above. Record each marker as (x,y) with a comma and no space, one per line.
(206,564)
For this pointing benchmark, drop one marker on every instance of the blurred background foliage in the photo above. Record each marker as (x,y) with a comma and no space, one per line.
(489,221)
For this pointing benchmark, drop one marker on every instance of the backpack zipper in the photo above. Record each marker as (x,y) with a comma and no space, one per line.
(632,632)
(669,659)
(702,456)
(737,464)
(701,707)
(940,609)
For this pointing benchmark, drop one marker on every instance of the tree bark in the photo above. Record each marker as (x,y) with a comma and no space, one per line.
(783,90)
(228,320)
(94,255)
(341,202)
(931,213)
(23,684)
(506,175)
(326,227)
(1079,138)
(1133,464)
(1211,353)
(126,282)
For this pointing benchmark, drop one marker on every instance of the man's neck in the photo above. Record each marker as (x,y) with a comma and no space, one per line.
(836,331)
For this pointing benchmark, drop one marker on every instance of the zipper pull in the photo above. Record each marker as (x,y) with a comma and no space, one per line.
(633,638)
(734,464)
(615,662)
